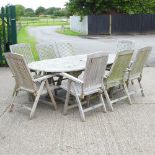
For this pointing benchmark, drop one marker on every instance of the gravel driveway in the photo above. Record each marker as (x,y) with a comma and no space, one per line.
(91,44)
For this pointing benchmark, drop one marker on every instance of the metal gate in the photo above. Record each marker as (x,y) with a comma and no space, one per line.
(8,33)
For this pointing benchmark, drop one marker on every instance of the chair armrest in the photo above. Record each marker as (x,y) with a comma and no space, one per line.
(71,78)
(43,78)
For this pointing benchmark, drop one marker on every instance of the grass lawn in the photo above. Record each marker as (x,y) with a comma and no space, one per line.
(67,31)
(24,37)
(42,23)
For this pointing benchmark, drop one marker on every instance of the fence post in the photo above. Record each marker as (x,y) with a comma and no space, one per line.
(13,24)
(110,23)
(3,29)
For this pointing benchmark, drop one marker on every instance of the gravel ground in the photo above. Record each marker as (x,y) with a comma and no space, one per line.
(91,44)
(129,130)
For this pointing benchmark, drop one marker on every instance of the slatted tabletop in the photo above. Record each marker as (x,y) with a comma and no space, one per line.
(64,64)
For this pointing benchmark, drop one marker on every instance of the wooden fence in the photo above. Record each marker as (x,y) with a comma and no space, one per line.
(120,24)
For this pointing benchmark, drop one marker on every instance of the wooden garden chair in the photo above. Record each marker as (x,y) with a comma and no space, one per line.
(64,49)
(123,45)
(25,81)
(115,77)
(136,69)
(46,51)
(90,84)
(24,50)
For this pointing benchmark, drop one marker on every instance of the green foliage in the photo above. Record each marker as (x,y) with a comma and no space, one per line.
(20,10)
(50,11)
(40,10)
(29,12)
(97,7)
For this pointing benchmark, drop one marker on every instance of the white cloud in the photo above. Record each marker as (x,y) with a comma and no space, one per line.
(35,3)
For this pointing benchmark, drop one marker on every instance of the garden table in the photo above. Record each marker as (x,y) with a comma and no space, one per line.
(65,64)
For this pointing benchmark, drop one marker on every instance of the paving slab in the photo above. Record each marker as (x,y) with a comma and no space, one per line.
(130,129)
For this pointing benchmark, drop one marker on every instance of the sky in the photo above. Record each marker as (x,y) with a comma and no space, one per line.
(35,3)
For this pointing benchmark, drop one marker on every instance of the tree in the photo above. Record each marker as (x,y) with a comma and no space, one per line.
(20,10)
(29,12)
(40,10)
(50,11)
(96,7)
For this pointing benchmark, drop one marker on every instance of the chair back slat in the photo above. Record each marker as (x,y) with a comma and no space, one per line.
(140,60)
(64,49)
(123,45)
(20,71)
(119,66)
(24,50)
(94,72)
(46,51)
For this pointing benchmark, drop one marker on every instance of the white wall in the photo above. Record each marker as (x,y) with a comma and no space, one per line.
(79,26)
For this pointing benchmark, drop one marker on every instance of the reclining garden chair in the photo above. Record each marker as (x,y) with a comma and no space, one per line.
(24,50)
(46,51)
(64,49)
(25,81)
(90,84)
(123,45)
(136,69)
(115,77)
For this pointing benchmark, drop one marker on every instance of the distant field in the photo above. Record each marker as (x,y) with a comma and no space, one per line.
(42,21)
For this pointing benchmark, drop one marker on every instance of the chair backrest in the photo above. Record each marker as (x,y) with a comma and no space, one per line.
(95,69)
(20,71)
(64,49)
(24,50)
(45,51)
(119,66)
(140,60)
(123,45)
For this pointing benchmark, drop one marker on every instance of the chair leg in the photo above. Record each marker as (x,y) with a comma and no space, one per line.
(140,85)
(102,101)
(79,105)
(67,97)
(80,108)
(108,99)
(13,98)
(37,99)
(88,101)
(51,95)
(127,92)
(14,90)
(66,103)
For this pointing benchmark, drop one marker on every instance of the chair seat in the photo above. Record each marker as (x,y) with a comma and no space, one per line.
(79,89)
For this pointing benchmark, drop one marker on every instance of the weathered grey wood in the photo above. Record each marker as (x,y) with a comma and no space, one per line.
(116,76)
(90,83)
(136,69)
(37,99)
(24,50)
(65,64)
(25,81)
(64,49)
(46,51)
(123,45)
